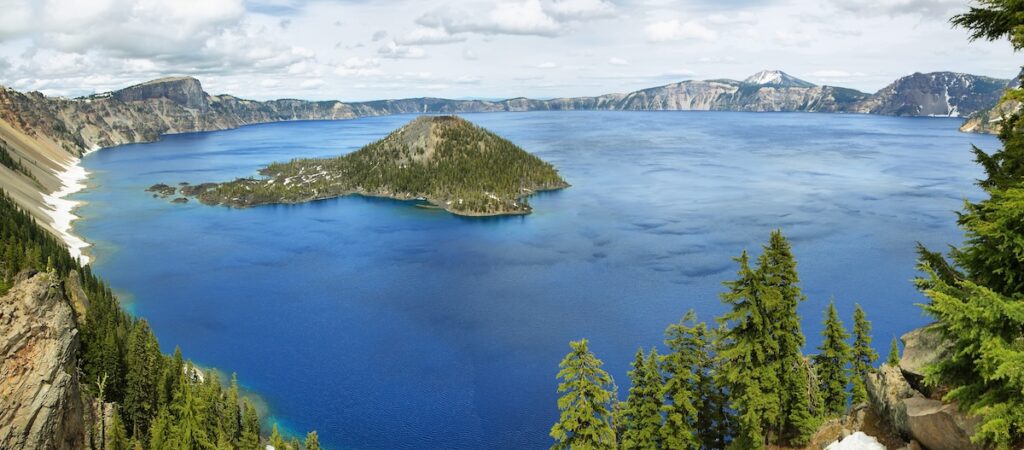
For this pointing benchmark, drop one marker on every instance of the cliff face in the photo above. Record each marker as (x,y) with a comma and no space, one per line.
(935,94)
(42,402)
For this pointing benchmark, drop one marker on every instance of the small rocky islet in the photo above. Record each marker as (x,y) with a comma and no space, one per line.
(444,160)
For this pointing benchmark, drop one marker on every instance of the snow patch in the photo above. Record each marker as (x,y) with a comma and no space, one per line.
(856,441)
(61,209)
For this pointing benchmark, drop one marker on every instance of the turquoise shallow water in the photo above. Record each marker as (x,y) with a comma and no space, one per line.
(386,326)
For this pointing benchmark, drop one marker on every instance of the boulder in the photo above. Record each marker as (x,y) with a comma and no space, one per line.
(939,426)
(922,347)
(887,390)
(42,402)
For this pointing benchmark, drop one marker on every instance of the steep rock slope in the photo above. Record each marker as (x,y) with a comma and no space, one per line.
(935,94)
(42,402)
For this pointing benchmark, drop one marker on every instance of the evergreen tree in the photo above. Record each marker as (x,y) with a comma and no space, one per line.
(117,437)
(312,441)
(233,425)
(894,353)
(276,440)
(744,355)
(685,366)
(160,433)
(189,428)
(830,363)
(144,364)
(780,287)
(864,355)
(642,411)
(585,421)
(250,427)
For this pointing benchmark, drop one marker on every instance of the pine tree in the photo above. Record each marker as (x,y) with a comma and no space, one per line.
(780,287)
(894,353)
(864,355)
(312,441)
(117,437)
(745,347)
(642,411)
(250,427)
(144,364)
(585,421)
(189,429)
(685,367)
(830,363)
(233,421)
(161,436)
(276,440)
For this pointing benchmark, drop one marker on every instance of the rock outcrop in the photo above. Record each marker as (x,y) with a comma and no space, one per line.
(934,424)
(42,402)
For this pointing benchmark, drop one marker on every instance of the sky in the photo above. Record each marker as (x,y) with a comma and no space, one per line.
(375,49)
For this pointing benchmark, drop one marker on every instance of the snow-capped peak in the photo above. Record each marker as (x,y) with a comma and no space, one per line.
(776,78)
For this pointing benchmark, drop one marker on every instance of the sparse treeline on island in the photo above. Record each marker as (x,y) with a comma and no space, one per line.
(155,401)
(445,160)
(742,384)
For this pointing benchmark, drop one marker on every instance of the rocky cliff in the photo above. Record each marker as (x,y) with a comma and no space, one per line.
(42,402)
(935,94)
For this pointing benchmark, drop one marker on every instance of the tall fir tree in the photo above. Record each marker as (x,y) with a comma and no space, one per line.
(685,367)
(864,355)
(233,420)
(190,424)
(642,411)
(780,287)
(117,436)
(276,440)
(830,364)
(745,349)
(250,426)
(145,367)
(312,441)
(585,405)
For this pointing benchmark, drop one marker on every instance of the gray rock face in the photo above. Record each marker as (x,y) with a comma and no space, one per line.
(184,91)
(887,390)
(936,94)
(42,403)
(921,347)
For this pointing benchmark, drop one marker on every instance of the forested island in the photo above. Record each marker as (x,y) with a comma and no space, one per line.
(445,160)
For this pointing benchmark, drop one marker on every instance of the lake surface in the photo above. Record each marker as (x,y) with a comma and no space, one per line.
(386,326)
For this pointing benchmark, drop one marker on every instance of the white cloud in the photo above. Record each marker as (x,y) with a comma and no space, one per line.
(579,9)
(740,18)
(312,84)
(518,18)
(394,51)
(617,61)
(469,55)
(923,8)
(546,65)
(359,67)
(428,36)
(674,30)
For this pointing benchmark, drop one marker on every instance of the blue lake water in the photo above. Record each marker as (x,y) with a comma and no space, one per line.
(386,326)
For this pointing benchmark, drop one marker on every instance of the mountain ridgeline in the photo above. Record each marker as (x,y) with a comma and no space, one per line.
(445,160)
(143,112)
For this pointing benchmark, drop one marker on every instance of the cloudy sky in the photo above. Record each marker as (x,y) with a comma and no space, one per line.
(371,49)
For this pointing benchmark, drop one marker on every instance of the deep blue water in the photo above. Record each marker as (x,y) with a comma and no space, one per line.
(386,326)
